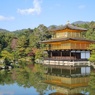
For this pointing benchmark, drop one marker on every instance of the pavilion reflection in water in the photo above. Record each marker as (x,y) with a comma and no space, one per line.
(67,85)
(67,91)
(67,80)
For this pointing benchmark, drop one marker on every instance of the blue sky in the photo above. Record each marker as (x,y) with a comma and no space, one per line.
(20,14)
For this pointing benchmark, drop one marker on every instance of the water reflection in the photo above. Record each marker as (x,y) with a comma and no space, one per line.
(14,89)
(67,91)
(24,81)
(66,86)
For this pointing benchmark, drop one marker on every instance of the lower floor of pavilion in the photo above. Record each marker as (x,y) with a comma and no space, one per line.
(67,57)
(68,54)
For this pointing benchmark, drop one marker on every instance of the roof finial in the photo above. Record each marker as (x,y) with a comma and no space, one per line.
(68,22)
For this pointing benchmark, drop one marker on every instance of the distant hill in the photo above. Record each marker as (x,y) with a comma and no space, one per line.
(22,31)
(4,30)
(80,22)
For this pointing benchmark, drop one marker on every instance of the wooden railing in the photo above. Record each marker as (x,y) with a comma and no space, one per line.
(66,63)
(61,58)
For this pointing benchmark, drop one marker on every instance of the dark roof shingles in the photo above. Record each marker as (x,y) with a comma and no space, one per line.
(65,39)
(70,26)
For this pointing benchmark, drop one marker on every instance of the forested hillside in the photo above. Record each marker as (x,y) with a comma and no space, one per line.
(24,45)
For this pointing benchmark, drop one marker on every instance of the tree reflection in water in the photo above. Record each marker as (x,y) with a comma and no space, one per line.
(27,77)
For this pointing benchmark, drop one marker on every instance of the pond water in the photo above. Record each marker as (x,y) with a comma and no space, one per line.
(15,89)
(24,81)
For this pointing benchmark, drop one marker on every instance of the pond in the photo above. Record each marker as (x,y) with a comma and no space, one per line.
(24,81)
(15,89)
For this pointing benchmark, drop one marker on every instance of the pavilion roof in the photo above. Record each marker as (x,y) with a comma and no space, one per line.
(66,39)
(69,26)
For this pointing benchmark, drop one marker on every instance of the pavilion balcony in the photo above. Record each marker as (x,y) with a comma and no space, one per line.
(65,58)
(59,58)
(67,62)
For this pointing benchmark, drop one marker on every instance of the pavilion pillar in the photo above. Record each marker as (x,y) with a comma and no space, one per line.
(49,47)
(61,71)
(51,69)
(70,60)
(75,55)
(61,53)
(70,70)
(85,54)
(70,55)
(50,53)
(59,57)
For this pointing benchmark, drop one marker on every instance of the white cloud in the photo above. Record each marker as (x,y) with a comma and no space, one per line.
(5,18)
(81,6)
(36,8)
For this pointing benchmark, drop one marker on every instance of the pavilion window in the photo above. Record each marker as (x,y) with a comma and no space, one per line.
(52,47)
(73,34)
(62,34)
(77,35)
(65,34)
(69,34)
(57,35)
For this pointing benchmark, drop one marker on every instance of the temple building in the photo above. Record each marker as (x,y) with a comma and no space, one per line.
(68,55)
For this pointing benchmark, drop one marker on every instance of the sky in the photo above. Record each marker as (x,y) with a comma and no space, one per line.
(23,14)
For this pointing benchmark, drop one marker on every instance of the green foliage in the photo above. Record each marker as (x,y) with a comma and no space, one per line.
(92,80)
(6,54)
(91,31)
(33,41)
(92,57)
(90,34)
(43,32)
(5,78)
(22,41)
(91,84)
(25,77)
(39,54)
(39,34)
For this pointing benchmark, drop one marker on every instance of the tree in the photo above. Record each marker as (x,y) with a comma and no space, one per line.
(8,57)
(91,87)
(92,57)
(90,34)
(33,41)
(6,54)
